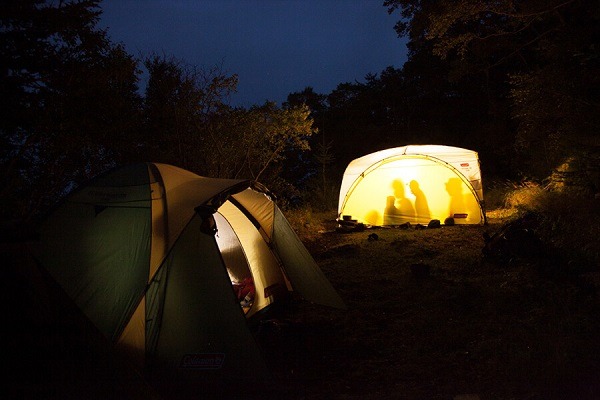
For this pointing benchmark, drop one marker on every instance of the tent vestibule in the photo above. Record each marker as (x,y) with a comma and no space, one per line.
(152,254)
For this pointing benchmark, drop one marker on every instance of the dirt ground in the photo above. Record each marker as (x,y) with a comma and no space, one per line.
(428,317)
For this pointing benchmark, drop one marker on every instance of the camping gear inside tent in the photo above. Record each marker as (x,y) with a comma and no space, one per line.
(414,184)
(157,258)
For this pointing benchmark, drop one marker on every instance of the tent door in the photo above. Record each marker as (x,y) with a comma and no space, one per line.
(236,262)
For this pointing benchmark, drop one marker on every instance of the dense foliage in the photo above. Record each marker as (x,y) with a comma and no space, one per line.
(69,100)
(539,59)
(72,109)
(518,81)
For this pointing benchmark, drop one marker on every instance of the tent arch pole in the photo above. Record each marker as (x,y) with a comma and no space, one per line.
(393,158)
(268,237)
(367,171)
(356,182)
(464,179)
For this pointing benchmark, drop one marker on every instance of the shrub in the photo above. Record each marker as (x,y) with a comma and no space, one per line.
(525,195)
(505,199)
(569,222)
(308,223)
(572,225)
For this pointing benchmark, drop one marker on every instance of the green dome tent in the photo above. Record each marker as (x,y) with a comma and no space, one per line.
(151,254)
(413,184)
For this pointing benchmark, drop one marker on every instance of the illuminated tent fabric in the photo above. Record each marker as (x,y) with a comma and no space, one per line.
(137,251)
(413,184)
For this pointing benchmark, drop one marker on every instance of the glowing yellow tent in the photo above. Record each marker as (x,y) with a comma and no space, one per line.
(151,254)
(415,184)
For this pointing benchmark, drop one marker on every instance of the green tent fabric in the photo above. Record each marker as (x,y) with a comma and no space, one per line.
(89,239)
(150,254)
(295,258)
(211,339)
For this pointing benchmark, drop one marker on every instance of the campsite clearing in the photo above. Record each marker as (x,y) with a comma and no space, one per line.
(464,326)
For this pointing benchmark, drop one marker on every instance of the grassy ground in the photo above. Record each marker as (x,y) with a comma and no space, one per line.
(472,326)
(469,328)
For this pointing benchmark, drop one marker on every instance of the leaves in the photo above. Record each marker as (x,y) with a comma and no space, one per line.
(70,100)
(187,123)
(536,60)
(249,142)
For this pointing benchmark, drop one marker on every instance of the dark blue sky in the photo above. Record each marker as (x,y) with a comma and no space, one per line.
(275,46)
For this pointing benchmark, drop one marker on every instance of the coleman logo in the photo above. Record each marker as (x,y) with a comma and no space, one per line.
(460,216)
(203,361)
(465,164)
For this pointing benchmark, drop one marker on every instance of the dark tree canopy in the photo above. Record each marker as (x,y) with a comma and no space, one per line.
(538,60)
(69,100)
(518,81)
(72,110)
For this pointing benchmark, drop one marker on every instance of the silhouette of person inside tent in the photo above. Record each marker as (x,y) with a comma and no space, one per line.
(421,205)
(457,200)
(398,209)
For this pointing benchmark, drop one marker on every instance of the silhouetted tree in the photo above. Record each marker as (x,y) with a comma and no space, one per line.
(180,100)
(69,101)
(248,143)
(309,171)
(535,61)
(188,123)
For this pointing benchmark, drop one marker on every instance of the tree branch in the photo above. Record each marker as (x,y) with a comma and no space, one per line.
(520,48)
(279,148)
(532,14)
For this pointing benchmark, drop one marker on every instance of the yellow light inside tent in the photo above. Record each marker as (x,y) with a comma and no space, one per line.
(414,190)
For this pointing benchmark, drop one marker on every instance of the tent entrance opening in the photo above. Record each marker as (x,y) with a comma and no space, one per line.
(235,262)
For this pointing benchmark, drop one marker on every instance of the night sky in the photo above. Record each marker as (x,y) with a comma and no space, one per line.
(275,46)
